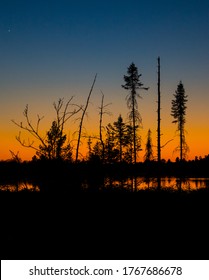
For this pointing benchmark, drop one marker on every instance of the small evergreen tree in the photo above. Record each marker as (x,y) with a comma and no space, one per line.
(119,130)
(111,151)
(54,145)
(148,148)
(120,135)
(96,154)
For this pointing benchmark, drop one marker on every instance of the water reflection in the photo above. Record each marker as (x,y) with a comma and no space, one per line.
(171,183)
(19,186)
(127,184)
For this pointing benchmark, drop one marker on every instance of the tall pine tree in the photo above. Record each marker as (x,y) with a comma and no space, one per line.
(132,84)
(178,112)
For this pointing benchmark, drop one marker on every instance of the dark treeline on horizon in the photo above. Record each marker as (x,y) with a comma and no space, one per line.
(59,171)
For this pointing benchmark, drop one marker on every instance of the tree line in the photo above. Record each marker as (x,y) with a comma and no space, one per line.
(116,142)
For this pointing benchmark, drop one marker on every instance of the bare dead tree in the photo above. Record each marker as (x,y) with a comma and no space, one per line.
(82,118)
(54,138)
(100,125)
(32,129)
(158,115)
(63,117)
(101,113)
(166,143)
(15,156)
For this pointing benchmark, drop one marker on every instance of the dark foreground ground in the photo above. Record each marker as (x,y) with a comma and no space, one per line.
(111,225)
(63,222)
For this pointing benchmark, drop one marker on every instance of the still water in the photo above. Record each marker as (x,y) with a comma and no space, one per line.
(170,183)
(132,184)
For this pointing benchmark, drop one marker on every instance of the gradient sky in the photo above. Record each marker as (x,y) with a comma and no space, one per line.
(53,49)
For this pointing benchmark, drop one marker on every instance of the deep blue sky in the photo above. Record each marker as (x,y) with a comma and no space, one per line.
(50,41)
(51,49)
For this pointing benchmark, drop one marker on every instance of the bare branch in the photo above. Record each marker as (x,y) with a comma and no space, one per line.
(23,143)
(166,143)
(15,157)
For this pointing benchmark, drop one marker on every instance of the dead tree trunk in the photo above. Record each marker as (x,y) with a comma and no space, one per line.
(82,118)
(100,126)
(158,115)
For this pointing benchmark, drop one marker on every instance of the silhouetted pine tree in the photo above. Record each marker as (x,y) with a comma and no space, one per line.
(178,112)
(54,145)
(119,130)
(111,151)
(120,135)
(132,84)
(128,155)
(96,154)
(148,148)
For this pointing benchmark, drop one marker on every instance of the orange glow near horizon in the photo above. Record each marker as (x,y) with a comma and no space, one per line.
(196,138)
(197,122)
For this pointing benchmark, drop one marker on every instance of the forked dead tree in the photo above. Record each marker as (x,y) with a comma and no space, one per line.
(52,144)
(15,156)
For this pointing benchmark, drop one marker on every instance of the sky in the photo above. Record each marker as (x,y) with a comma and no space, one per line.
(53,49)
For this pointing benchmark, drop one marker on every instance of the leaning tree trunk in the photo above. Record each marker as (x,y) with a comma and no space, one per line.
(82,118)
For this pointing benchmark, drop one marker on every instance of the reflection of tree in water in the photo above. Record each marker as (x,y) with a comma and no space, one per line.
(130,184)
(196,181)
(111,183)
(183,184)
(106,183)
(159,183)
(150,183)
(19,186)
(207,183)
(142,183)
(201,183)
(169,180)
(135,183)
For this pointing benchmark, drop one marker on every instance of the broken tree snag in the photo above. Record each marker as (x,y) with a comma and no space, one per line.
(82,118)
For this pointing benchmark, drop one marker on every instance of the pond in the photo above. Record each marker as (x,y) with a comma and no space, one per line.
(129,184)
